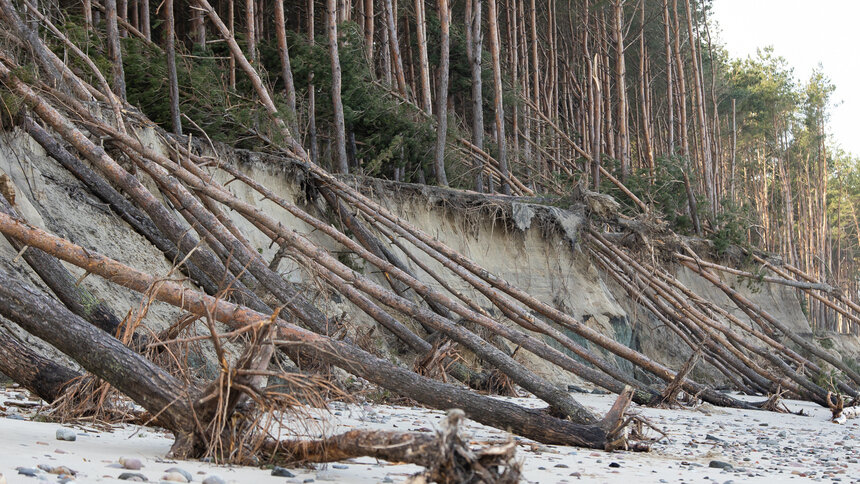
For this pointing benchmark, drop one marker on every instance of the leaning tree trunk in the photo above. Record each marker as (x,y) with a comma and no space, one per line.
(77,341)
(31,369)
(98,352)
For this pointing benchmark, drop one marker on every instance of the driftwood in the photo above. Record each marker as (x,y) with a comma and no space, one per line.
(447,458)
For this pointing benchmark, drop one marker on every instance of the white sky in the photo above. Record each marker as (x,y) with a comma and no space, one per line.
(805,33)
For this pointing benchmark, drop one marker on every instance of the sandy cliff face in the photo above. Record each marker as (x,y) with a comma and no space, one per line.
(534,247)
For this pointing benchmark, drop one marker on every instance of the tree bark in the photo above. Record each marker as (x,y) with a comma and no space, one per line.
(442,95)
(250,26)
(173,82)
(423,63)
(340,161)
(98,352)
(31,369)
(114,49)
(286,70)
(474,51)
(493,26)
(623,144)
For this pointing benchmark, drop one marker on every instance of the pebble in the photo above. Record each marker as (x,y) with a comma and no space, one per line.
(387,480)
(174,477)
(213,480)
(718,464)
(282,472)
(133,476)
(68,435)
(185,474)
(27,471)
(339,466)
(130,463)
(614,464)
(61,470)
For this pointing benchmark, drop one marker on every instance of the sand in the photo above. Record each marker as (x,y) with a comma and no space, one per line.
(760,447)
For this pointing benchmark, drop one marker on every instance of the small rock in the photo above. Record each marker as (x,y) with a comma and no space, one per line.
(281,472)
(174,477)
(60,470)
(133,476)
(130,463)
(715,439)
(561,466)
(213,480)
(339,466)
(66,434)
(614,464)
(387,480)
(27,471)
(576,389)
(718,464)
(185,474)
(306,481)
(598,391)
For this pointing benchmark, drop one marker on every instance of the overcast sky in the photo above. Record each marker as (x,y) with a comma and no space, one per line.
(805,33)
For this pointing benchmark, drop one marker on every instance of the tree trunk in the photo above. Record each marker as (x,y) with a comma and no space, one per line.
(423,63)
(474,51)
(286,70)
(493,25)
(251,28)
(98,352)
(313,150)
(138,221)
(31,369)
(146,27)
(442,96)
(170,39)
(340,162)
(534,424)
(394,47)
(114,50)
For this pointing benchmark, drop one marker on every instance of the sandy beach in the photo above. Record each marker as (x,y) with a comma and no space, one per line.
(703,444)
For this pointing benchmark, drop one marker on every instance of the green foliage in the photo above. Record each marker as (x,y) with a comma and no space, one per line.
(731,226)
(665,192)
